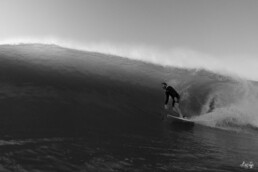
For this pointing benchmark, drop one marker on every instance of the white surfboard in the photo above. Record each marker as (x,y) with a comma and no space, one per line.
(176,119)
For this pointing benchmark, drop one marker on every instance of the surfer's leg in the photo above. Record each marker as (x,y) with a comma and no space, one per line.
(176,106)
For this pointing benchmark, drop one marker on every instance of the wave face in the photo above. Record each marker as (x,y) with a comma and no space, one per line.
(49,89)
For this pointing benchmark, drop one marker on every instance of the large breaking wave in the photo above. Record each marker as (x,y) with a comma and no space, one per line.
(64,85)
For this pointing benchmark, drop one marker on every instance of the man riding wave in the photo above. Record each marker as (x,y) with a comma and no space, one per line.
(170,91)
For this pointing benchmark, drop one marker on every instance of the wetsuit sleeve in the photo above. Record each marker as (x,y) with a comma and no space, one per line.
(167,97)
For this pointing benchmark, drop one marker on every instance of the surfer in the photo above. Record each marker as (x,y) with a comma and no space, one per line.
(170,91)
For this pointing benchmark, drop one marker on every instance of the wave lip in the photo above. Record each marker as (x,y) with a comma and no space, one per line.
(174,57)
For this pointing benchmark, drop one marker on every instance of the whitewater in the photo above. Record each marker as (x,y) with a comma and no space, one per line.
(221,102)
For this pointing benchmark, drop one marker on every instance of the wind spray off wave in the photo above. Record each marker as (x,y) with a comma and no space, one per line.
(182,57)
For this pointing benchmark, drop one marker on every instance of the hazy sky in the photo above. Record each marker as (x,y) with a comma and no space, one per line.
(216,28)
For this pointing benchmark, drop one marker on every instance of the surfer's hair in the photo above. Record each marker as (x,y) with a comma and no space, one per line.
(163,83)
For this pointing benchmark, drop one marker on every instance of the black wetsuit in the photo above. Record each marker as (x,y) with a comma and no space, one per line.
(170,91)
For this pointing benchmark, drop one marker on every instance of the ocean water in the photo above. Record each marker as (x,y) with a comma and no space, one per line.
(166,148)
(68,110)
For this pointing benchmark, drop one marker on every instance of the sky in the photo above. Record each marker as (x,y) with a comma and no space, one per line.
(219,35)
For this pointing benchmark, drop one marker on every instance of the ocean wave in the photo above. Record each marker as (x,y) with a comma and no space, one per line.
(54,88)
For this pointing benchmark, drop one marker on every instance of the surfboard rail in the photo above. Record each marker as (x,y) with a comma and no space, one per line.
(175,119)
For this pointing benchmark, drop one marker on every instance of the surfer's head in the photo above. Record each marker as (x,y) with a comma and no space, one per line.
(164,85)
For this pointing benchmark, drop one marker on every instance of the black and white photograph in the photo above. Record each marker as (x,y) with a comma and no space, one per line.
(128,85)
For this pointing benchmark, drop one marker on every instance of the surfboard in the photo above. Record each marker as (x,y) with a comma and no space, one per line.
(175,119)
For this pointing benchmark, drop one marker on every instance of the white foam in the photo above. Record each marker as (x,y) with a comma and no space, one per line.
(238,106)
